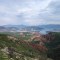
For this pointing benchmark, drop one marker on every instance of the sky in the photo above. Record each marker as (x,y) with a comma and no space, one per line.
(29,12)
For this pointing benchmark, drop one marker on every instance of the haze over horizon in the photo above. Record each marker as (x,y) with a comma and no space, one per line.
(29,12)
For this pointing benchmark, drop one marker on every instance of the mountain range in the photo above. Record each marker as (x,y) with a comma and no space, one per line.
(18,28)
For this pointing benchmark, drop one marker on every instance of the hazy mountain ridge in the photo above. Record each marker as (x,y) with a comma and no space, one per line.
(30,28)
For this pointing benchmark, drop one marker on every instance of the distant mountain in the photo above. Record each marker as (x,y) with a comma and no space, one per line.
(50,27)
(2,27)
(55,26)
(15,28)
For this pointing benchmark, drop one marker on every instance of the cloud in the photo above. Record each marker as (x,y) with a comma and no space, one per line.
(51,15)
(29,12)
(55,7)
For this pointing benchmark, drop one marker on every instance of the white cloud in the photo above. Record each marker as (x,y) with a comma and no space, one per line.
(30,12)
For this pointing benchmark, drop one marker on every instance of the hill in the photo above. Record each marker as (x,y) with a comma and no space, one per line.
(16,49)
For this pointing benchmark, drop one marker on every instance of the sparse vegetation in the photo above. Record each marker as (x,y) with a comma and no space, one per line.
(16,50)
(15,47)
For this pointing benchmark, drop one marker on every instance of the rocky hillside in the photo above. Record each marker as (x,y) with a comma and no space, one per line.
(36,47)
(12,48)
(49,43)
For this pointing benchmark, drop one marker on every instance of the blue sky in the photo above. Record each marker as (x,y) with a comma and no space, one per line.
(29,12)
